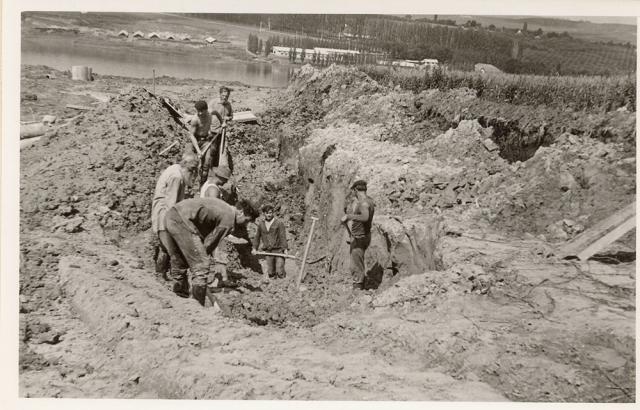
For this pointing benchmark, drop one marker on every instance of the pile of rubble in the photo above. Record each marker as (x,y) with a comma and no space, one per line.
(103,166)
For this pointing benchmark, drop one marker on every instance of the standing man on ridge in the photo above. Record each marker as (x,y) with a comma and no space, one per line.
(224,114)
(360,213)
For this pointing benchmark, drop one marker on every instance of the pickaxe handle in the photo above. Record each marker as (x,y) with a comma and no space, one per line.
(208,145)
(306,252)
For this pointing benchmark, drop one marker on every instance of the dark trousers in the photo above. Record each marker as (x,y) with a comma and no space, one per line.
(188,252)
(275,264)
(357,248)
(166,247)
(210,158)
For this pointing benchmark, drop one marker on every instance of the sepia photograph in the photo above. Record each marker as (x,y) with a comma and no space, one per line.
(397,206)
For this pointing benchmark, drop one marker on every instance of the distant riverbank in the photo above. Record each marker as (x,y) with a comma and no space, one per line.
(138,58)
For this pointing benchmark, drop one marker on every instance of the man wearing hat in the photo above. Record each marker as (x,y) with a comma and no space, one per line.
(360,213)
(213,187)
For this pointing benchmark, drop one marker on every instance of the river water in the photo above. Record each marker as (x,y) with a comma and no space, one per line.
(62,54)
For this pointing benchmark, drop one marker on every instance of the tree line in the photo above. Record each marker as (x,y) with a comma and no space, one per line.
(459,46)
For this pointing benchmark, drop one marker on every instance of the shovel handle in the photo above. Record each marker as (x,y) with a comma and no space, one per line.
(282,255)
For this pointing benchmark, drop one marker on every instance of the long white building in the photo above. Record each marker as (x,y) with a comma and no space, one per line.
(281,51)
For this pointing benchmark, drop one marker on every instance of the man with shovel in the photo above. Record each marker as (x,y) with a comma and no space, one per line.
(206,143)
(361,215)
(197,226)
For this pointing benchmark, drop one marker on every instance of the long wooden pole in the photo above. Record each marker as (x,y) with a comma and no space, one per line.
(168,148)
(282,255)
(154,81)
(306,252)
(223,143)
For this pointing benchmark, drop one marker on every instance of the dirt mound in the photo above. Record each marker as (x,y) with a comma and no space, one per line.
(492,166)
(563,189)
(105,166)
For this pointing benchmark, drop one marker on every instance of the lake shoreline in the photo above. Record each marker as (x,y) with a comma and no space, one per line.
(137,59)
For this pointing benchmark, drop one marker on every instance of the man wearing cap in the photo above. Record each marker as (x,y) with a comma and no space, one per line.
(197,226)
(360,213)
(213,187)
(170,189)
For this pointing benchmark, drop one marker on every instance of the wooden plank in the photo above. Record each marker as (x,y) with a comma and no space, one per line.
(607,239)
(179,117)
(244,116)
(591,235)
(80,107)
(171,108)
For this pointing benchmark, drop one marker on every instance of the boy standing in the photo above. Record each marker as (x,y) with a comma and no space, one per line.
(272,233)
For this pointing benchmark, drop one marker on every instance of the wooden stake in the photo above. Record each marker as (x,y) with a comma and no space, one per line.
(168,148)
(607,239)
(154,81)
(592,235)
(306,252)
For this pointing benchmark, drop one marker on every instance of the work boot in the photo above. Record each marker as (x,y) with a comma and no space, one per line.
(181,288)
(180,283)
(199,293)
(162,263)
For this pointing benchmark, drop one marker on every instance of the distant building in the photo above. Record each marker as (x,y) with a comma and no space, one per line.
(406,63)
(138,34)
(486,68)
(429,63)
(210,40)
(426,63)
(280,51)
(333,51)
(123,33)
(154,35)
(186,37)
(171,37)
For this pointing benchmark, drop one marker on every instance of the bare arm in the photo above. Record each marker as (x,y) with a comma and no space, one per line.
(193,128)
(363,216)
(212,191)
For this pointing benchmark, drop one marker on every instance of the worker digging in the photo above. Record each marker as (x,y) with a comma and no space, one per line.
(190,231)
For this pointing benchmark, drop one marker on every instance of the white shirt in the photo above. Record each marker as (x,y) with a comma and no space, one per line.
(269,223)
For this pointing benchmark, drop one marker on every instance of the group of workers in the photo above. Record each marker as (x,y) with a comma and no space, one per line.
(189,230)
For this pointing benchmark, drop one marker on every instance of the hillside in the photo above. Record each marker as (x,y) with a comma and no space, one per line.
(586,30)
